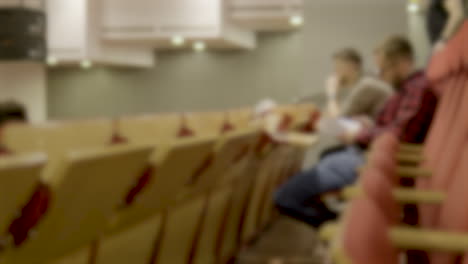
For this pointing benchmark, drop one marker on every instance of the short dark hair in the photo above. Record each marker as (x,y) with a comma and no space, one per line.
(12,111)
(395,47)
(349,55)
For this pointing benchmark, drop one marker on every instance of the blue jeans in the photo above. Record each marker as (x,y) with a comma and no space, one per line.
(300,196)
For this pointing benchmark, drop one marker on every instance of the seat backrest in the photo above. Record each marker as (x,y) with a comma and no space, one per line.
(287,117)
(206,123)
(241,118)
(87,189)
(303,113)
(56,138)
(365,237)
(162,128)
(174,165)
(18,177)
(229,149)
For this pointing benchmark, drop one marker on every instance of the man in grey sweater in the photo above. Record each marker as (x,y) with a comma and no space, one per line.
(350,93)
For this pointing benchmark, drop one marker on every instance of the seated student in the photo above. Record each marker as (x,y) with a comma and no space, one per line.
(351,93)
(351,96)
(408,114)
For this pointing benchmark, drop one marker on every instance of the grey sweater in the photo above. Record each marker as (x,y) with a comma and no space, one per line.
(366,98)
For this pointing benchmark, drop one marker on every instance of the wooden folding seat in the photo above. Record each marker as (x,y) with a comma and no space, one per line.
(56,138)
(230,236)
(180,231)
(166,237)
(147,228)
(232,164)
(151,128)
(87,187)
(19,175)
(205,247)
(240,118)
(267,208)
(257,198)
(206,123)
(231,155)
(229,150)
(172,164)
(232,145)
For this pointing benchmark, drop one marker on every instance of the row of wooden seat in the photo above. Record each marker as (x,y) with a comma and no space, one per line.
(166,188)
(372,230)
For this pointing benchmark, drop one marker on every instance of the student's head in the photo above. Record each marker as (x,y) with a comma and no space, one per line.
(348,64)
(395,59)
(12,111)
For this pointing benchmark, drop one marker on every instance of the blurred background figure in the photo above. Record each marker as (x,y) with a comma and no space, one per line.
(444,18)
(12,111)
(407,114)
(354,98)
(349,91)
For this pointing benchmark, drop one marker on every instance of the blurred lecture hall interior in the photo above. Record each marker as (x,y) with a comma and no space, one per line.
(233,131)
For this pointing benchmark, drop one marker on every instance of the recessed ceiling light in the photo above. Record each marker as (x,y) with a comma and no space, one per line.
(296,21)
(413,8)
(199,46)
(178,41)
(52,61)
(86,64)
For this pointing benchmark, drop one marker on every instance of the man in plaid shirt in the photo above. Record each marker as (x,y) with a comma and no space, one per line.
(408,114)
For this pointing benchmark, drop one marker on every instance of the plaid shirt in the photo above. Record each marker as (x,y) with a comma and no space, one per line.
(408,113)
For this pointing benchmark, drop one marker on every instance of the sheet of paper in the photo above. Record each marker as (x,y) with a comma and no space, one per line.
(338,126)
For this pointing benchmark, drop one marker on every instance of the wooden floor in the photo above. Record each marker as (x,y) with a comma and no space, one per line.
(285,242)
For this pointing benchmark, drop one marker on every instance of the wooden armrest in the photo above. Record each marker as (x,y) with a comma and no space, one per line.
(407,147)
(301,139)
(411,238)
(339,256)
(413,172)
(406,171)
(404,157)
(401,195)
(352,192)
(414,196)
(429,240)
(410,158)
(328,231)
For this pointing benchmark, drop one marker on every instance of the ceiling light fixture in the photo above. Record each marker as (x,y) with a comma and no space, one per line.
(86,64)
(413,8)
(177,41)
(199,46)
(296,21)
(52,61)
